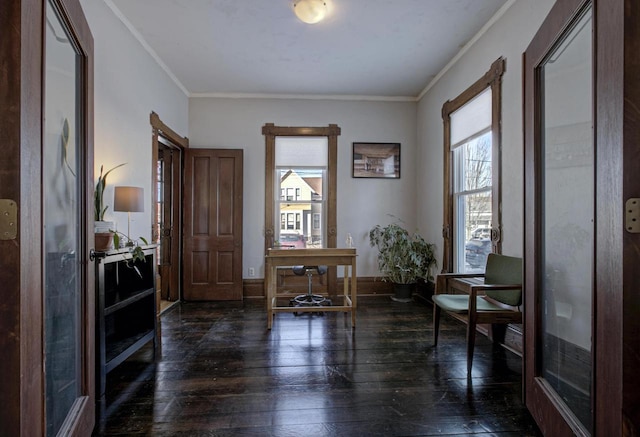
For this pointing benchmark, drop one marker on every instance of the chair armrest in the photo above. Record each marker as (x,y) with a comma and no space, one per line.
(474,290)
(443,278)
(482,288)
(491,287)
(461,275)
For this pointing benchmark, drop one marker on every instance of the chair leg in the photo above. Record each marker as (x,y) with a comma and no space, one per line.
(436,323)
(498,332)
(471,341)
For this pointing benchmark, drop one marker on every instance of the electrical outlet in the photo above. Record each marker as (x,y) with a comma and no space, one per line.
(252,271)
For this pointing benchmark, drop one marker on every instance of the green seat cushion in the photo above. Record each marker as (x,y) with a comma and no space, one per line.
(459,303)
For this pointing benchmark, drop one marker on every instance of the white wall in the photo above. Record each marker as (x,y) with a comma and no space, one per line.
(362,203)
(129,84)
(509,38)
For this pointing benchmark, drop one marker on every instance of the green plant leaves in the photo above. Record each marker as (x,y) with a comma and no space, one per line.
(402,257)
(98,195)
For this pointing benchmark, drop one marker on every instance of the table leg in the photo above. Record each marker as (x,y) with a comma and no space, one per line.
(354,294)
(270,276)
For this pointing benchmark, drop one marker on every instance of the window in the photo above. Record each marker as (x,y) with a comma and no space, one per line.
(290,221)
(301,167)
(290,194)
(472,225)
(472,203)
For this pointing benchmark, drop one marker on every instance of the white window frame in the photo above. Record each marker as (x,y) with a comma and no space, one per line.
(460,195)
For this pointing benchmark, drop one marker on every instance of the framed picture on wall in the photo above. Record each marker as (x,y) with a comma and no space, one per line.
(376,160)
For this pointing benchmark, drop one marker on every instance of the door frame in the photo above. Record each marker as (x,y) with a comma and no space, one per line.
(615,348)
(22,383)
(161,133)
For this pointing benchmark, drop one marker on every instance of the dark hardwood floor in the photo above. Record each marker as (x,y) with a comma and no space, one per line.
(222,373)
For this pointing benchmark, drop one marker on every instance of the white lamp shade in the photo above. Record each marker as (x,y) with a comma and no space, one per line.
(128,199)
(310,11)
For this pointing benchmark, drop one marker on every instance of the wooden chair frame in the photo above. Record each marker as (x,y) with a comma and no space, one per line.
(472,284)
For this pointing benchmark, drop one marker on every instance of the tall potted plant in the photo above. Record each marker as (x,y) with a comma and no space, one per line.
(103,230)
(402,258)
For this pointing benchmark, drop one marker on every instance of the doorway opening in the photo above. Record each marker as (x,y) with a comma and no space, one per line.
(168,158)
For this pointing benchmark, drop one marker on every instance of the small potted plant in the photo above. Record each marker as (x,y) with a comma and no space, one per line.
(403,258)
(137,254)
(103,230)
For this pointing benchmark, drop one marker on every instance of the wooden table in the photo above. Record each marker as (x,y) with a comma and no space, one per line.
(311,257)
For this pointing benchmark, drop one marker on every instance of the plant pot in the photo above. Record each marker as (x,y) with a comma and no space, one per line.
(403,292)
(102,227)
(104,241)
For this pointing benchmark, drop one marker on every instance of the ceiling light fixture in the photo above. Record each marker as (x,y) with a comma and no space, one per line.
(310,11)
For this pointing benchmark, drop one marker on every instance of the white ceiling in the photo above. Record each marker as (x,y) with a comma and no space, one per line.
(386,48)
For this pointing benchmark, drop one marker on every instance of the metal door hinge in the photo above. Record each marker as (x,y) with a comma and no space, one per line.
(632,215)
(8,219)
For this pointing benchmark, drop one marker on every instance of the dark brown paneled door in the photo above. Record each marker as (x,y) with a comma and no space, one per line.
(213,224)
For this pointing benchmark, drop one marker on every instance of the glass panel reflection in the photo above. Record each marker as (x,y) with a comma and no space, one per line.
(61,225)
(568,219)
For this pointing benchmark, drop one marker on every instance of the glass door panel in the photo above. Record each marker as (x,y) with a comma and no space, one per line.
(567,220)
(63,222)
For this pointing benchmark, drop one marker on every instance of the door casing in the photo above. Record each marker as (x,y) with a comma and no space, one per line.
(163,136)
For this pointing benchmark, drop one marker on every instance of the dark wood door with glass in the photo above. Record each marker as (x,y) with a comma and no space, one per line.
(68,284)
(167,156)
(561,242)
(580,158)
(47,312)
(168,218)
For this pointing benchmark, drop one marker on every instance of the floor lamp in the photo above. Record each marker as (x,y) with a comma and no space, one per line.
(128,199)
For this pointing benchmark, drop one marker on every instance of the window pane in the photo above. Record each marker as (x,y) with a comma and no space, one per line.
(477,163)
(473,231)
(472,212)
(301,208)
(472,161)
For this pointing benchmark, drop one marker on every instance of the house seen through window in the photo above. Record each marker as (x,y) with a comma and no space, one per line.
(301,166)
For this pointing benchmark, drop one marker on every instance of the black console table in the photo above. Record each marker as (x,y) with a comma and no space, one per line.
(125,308)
